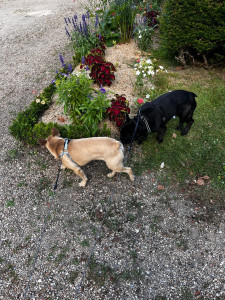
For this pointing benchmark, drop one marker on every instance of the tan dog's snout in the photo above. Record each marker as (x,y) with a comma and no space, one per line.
(82,151)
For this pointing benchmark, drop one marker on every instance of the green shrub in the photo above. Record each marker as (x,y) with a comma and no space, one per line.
(194,30)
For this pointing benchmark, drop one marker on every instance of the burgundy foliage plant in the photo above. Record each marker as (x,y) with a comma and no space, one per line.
(118,110)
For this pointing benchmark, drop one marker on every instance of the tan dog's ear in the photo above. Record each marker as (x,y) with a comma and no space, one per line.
(42,142)
(55,132)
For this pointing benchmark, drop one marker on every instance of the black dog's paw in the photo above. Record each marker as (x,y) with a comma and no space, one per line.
(160,140)
(184,131)
(178,127)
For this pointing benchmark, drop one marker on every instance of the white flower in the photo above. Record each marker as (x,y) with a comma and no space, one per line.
(147,96)
(148,61)
(43,102)
(152,88)
(151,73)
(144,75)
(138,73)
(140,36)
(161,67)
(38,100)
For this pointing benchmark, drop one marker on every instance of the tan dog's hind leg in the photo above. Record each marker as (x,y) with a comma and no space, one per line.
(120,169)
(67,163)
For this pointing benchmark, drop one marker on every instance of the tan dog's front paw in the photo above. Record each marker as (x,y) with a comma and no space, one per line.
(83,183)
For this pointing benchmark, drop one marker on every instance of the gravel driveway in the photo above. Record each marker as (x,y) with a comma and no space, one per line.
(154,244)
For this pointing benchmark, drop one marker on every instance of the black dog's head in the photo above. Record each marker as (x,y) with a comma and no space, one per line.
(127,131)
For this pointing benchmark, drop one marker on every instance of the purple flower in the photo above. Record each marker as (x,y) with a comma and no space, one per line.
(66,21)
(96,21)
(67,32)
(61,59)
(74,24)
(83,60)
(81,29)
(70,68)
(103,91)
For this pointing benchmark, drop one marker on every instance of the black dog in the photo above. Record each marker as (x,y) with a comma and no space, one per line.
(154,116)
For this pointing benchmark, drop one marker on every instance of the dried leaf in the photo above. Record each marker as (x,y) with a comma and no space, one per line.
(161,187)
(205,177)
(200,181)
(61,119)
(174,135)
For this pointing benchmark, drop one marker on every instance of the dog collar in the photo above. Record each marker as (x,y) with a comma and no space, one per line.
(145,121)
(65,149)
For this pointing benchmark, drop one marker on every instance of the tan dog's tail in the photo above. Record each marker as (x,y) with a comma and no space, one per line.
(119,146)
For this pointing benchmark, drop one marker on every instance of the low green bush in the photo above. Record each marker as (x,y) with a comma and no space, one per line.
(194,30)
(22,125)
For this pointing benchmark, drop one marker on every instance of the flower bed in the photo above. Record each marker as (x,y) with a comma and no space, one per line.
(85,115)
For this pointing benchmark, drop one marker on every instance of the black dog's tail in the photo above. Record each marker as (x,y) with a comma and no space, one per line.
(193,94)
(192,100)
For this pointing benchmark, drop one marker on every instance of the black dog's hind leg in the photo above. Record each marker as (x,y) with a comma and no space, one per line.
(180,126)
(160,134)
(189,120)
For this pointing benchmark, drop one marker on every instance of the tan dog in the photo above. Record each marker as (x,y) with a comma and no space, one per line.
(82,151)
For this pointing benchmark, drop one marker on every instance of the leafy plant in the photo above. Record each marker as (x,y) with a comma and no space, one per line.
(73,92)
(143,36)
(93,112)
(118,110)
(109,27)
(125,12)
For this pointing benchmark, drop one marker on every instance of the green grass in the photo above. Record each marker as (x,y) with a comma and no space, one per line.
(201,151)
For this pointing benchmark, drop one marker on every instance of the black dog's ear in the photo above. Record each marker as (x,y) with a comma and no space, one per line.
(55,132)
(42,142)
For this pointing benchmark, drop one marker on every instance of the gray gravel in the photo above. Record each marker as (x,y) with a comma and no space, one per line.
(154,244)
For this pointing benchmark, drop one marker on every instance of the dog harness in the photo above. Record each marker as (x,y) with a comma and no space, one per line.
(65,149)
(145,121)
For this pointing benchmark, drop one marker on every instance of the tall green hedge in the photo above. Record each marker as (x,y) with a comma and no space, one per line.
(195,26)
